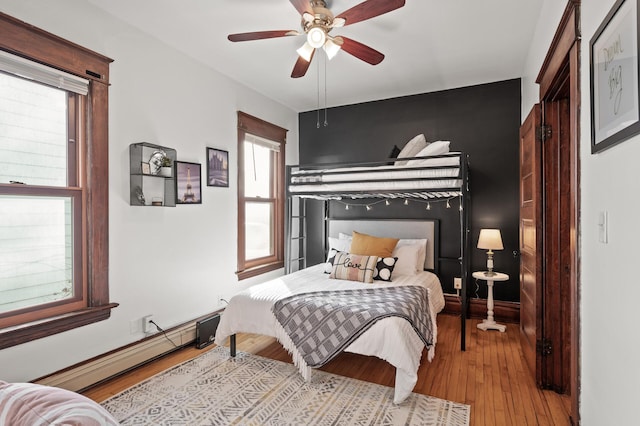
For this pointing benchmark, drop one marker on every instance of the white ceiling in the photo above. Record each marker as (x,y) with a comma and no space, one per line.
(429,45)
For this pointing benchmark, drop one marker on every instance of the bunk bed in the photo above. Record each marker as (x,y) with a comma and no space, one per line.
(442,177)
(420,179)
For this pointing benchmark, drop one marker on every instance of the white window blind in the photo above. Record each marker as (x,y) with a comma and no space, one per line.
(266,143)
(24,68)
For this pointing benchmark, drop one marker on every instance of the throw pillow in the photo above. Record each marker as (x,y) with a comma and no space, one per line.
(384,268)
(369,245)
(434,148)
(412,147)
(352,267)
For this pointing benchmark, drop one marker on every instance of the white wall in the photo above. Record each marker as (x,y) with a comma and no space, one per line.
(610,347)
(169,262)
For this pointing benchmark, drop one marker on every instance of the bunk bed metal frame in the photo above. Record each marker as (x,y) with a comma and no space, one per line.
(443,188)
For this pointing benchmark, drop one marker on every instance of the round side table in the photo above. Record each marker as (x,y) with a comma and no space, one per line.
(489,323)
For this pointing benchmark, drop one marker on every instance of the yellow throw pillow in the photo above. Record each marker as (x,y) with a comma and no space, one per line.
(369,245)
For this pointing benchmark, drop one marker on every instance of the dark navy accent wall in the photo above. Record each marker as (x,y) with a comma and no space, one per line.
(482,121)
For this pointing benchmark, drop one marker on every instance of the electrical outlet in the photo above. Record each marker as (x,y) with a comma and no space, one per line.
(146,324)
(457,283)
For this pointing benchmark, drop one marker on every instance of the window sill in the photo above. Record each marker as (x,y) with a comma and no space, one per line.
(12,336)
(258,270)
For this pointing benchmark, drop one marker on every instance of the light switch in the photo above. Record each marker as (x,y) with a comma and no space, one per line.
(603,227)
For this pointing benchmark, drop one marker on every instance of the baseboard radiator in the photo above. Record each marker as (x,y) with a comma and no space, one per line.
(91,372)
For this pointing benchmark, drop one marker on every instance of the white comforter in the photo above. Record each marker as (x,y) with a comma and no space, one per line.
(391,339)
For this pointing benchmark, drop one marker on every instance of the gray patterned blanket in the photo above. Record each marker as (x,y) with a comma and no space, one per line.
(321,324)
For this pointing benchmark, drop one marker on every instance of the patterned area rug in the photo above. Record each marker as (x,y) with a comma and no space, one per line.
(214,389)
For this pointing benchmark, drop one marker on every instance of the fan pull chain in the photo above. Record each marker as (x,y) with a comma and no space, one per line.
(318,104)
(326,121)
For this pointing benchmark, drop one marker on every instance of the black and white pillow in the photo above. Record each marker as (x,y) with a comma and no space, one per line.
(328,265)
(384,268)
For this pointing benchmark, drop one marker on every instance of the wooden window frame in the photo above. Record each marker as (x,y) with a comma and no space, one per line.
(255,126)
(22,39)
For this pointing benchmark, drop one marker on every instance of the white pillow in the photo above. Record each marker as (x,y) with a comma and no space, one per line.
(339,244)
(434,148)
(407,259)
(422,250)
(413,147)
(343,236)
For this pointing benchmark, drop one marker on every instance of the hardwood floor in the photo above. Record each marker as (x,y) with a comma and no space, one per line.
(491,375)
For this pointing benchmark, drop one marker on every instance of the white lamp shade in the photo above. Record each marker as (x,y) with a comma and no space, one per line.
(332,47)
(490,239)
(306,51)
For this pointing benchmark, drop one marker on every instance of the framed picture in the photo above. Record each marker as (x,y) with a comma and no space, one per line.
(188,183)
(146,169)
(217,167)
(615,97)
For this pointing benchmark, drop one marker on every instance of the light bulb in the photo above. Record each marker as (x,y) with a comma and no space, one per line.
(368,208)
(448,205)
(428,206)
(387,203)
(406,202)
(316,37)
(346,206)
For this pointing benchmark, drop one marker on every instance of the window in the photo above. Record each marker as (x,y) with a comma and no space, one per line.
(53,201)
(260,196)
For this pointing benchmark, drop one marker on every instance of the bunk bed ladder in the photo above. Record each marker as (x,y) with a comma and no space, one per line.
(296,235)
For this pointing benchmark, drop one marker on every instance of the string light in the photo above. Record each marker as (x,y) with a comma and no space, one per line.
(387,202)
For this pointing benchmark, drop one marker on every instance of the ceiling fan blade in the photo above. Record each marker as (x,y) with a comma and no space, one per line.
(369,9)
(259,35)
(301,66)
(302,6)
(361,51)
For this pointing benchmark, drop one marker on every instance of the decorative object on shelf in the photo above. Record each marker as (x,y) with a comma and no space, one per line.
(146,169)
(156,160)
(139,196)
(490,239)
(188,183)
(156,201)
(165,167)
(615,93)
(217,167)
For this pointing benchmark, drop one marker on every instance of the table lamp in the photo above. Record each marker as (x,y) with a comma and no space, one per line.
(490,239)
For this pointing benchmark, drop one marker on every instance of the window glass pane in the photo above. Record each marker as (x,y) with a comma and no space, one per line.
(257,171)
(36,254)
(33,132)
(258,230)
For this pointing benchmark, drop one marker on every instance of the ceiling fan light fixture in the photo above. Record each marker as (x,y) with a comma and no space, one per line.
(316,37)
(305,51)
(331,48)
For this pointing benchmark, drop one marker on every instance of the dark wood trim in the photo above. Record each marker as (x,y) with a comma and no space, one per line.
(40,46)
(31,42)
(561,63)
(567,34)
(258,270)
(39,329)
(503,311)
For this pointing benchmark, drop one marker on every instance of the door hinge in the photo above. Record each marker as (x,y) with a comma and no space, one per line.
(544,347)
(543,133)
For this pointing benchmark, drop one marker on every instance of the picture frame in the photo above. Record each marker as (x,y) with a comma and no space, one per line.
(615,77)
(217,167)
(145,167)
(188,183)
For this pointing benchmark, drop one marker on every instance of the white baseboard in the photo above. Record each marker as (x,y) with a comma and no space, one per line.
(85,374)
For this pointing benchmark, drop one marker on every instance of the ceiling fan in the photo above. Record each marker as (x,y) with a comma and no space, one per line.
(318,21)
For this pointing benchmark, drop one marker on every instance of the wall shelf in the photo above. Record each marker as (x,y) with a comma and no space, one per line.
(147,186)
